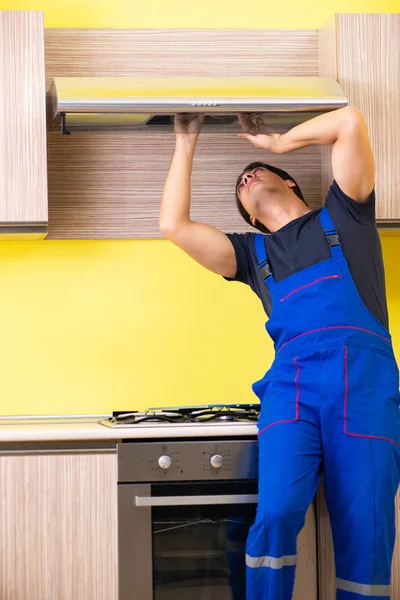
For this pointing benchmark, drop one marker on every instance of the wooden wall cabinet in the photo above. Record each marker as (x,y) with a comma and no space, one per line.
(104,187)
(109,185)
(23,162)
(362,51)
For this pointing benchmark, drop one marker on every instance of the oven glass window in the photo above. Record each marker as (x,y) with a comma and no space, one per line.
(199,550)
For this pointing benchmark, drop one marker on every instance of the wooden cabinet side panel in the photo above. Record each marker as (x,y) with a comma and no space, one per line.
(328,49)
(326,560)
(58,537)
(369,73)
(23,163)
(305,587)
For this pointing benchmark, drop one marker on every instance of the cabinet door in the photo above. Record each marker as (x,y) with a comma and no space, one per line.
(362,52)
(58,534)
(23,162)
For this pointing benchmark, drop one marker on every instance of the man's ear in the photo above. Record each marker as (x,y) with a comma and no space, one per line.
(253,221)
(290,183)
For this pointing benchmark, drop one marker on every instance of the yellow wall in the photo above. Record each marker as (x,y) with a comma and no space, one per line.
(95,326)
(308,14)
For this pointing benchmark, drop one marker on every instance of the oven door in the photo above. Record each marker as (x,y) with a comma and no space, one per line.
(184,541)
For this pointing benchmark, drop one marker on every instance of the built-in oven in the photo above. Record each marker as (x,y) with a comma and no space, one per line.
(185,509)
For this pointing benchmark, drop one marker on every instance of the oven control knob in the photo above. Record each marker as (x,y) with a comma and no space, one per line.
(164,462)
(217,461)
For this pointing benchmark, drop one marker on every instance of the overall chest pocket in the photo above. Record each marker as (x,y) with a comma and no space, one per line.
(305,287)
(310,299)
(371,399)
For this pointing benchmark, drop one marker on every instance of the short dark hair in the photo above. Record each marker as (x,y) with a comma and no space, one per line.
(281,173)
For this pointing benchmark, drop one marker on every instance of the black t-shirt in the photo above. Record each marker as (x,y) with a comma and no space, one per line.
(302,243)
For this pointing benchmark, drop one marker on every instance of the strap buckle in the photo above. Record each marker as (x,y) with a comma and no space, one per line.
(265,269)
(333,238)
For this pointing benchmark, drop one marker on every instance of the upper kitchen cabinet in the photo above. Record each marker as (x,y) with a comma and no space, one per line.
(23,163)
(362,52)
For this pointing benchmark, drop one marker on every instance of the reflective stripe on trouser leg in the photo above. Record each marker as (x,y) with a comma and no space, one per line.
(362,589)
(255,562)
(267,582)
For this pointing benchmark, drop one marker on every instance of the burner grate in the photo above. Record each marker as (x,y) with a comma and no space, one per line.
(224,413)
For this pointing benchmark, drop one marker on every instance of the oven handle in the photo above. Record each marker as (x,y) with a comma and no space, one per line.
(195,500)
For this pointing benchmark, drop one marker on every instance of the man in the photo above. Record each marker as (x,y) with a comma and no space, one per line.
(330,401)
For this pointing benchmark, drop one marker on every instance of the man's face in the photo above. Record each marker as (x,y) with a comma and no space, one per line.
(257,187)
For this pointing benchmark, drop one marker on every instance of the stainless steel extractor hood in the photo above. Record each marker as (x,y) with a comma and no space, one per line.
(150,103)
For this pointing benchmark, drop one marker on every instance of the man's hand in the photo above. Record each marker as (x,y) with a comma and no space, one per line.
(188,124)
(258,133)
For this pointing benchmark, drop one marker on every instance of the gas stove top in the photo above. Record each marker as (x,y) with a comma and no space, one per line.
(180,415)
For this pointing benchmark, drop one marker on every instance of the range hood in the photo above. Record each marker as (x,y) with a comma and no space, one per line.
(150,103)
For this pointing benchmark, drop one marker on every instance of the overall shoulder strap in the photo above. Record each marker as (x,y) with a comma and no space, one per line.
(331,233)
(262,258)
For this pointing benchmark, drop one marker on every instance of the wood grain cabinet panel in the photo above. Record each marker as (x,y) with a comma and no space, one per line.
(363,52)
(306,587)
(23,162)
(109,185)
(58,534)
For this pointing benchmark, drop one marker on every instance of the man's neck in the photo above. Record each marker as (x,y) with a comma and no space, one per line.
(279,218)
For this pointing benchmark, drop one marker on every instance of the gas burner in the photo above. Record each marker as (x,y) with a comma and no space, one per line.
(217,413)
(135,417)
(224,414)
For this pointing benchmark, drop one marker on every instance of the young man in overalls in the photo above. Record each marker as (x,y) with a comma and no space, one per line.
(330,400)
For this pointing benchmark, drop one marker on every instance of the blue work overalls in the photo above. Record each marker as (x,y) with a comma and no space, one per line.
(330,402)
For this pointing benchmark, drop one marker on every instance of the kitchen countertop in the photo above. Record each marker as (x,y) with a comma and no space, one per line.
(55,429)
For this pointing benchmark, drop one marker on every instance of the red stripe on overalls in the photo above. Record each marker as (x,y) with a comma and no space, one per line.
(303,287)
(332,327)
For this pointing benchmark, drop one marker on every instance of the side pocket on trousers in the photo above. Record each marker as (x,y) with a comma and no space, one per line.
(280,403)
(371,403)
